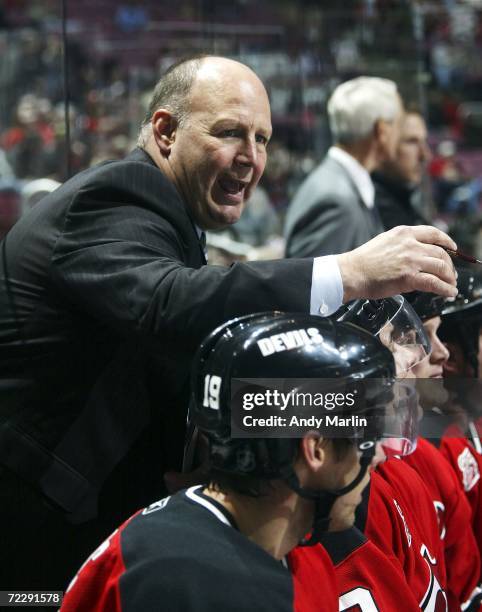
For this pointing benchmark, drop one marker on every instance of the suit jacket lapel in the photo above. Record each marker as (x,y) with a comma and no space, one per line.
(371,215)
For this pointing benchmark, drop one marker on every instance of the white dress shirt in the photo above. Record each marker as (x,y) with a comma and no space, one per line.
(326,286)
(359,175)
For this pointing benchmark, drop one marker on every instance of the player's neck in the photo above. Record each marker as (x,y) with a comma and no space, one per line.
(276,522)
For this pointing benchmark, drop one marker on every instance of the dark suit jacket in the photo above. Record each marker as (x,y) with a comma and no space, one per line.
(395,203)
(327,214)
(104,298)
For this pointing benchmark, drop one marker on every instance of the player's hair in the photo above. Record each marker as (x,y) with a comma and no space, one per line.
(172,91)
(237,483)
(412,108)
(257,487)
(356,105)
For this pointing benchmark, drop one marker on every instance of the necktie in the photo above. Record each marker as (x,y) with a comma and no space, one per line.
(377,220)
(202,242)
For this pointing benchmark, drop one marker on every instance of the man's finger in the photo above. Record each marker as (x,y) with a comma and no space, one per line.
(432,235)
(423,281)
(437,252)
(439,267)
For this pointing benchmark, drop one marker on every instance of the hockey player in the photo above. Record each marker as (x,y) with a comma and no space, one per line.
(367,577)
(460,444)
(219,546)
(454,514)
(461,328)
(396,515)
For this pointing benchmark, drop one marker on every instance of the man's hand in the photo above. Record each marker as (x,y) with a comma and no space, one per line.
(398,261)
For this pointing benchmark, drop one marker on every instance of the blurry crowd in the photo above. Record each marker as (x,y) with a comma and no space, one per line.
(107,300)
(115,52)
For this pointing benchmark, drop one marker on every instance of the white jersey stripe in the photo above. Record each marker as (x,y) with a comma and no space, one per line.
(191,493)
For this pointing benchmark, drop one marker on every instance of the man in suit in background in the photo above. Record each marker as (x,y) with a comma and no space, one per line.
(105,296)
(398,180)
(333,210)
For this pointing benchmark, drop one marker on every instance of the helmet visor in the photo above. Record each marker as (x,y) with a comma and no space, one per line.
(400,421)
(392,417)
(403,333)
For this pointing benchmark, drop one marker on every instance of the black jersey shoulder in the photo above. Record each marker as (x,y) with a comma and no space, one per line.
(341,544)
(183,554)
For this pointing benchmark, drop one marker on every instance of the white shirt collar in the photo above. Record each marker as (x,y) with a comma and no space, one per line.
(358,174)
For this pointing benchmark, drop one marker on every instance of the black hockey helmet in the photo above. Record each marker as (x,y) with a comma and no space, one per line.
(282,346)
(396,324)
(426,305)
(462,317)
(468,303)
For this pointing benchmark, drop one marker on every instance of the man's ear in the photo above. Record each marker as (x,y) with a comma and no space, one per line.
(380,128)
(164,127)
(313,449)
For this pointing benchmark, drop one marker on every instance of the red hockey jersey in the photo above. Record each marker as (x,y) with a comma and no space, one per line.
(314,580)
(467,465)
(366,580)
(185,554)
(462,562)
(387,520)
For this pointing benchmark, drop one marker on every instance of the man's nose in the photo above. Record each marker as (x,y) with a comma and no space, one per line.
(426,153)
(440,352)
(247,153)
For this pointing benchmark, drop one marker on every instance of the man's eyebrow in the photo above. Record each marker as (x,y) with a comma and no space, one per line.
(227,121)
(237,122)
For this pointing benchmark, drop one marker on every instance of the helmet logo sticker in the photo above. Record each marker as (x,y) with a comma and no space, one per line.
(245,459)
(289,340)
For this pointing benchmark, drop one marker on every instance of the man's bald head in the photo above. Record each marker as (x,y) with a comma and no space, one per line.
(173,90)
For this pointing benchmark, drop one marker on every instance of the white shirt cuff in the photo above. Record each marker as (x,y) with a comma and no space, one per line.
(326,286)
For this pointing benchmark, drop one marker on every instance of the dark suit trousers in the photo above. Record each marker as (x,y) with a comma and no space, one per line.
(41,550)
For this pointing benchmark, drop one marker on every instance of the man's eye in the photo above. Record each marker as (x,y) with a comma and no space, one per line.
(229,133)
(409,338)
(262,139)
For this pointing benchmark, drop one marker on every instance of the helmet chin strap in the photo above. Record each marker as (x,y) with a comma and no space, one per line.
(324,500)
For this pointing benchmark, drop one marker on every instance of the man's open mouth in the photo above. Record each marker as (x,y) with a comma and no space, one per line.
(231,186)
